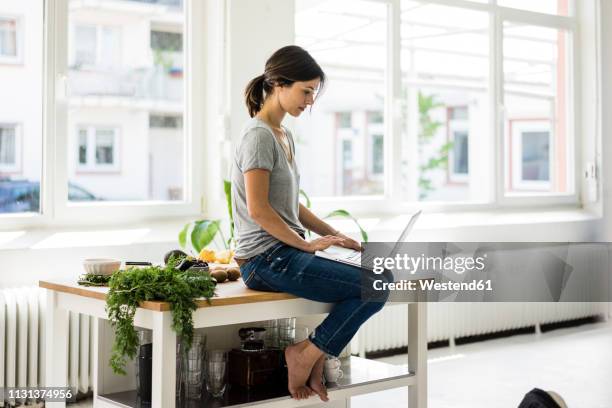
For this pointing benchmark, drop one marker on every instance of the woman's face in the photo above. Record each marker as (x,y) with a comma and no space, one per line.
(294,99)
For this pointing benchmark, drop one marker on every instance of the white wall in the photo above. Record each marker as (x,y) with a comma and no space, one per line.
(606,70)
(257,29)
(606,108)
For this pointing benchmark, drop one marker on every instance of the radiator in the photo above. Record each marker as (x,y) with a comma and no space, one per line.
(22,343)
(388,329)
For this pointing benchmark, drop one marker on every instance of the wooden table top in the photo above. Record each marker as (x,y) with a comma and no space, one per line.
(226,293)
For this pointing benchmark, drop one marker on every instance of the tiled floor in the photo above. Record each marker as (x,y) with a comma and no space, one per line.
(575,362)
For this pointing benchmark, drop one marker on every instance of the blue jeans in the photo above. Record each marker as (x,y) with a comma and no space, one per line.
(283,268)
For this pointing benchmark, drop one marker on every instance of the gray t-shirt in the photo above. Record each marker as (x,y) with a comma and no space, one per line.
(259,149)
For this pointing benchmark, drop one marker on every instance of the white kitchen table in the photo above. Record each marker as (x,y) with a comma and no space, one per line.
(233,303)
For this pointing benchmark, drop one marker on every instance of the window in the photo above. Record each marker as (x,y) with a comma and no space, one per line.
(167,49)
(378,165)
(458,145)
(96,46)
(10,149)
(98,149)
(376,151)
(536,105)
(456,70)
(445,77)
(165,121)
(123,74)
(166,41)
(344,120)
(21,107)
(337,133)
(9,40)
(120,128)
(531,148)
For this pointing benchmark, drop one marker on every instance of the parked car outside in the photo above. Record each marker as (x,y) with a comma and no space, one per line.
(24,195)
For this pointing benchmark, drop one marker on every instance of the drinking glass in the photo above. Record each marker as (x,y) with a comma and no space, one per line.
(301,334)
(286,331)
(193,370)
(216,372)
(271,337)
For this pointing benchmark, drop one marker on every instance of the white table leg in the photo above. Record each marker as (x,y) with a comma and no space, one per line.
(56,346)
(100,359)
(164,361)
(417,353)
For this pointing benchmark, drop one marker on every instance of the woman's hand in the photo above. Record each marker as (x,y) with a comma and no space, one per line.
(323,243)
(349,242)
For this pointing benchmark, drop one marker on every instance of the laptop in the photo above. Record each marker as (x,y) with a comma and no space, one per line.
(355,258)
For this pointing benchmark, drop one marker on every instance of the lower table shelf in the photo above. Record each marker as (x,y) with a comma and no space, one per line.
(360,376)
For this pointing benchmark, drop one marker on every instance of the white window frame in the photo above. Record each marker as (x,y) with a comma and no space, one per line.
(16,168)
(391,202)
(19,33)
(91,164)
(56,210)
(518,128)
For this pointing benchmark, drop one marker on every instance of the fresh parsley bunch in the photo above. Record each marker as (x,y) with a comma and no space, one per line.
(91,279)
(160,283)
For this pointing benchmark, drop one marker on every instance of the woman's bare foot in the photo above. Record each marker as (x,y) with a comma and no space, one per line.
(316,379)
(301,358)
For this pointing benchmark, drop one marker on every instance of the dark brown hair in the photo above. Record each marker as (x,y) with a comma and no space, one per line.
(286,66)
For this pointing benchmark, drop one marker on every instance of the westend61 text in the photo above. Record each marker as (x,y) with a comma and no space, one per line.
(481,285)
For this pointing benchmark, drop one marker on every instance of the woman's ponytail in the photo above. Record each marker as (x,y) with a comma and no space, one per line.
(254,94)
(286,66)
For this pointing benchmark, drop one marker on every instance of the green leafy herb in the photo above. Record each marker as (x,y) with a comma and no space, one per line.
(90,279)
(130,287)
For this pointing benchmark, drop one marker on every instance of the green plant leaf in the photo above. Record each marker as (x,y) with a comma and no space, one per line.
(227,187)
(339,213)
(345,214)
(183,235)
(203,233)
(303,194)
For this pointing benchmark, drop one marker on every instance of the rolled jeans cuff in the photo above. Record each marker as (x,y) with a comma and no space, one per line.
(320,344)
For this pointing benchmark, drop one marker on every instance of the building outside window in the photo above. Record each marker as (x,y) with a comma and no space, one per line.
(166,41)
(531,152)
(10,39)
(458,144)
(128,72)
(10,151)
(98,148)
(96,46)
(377,153)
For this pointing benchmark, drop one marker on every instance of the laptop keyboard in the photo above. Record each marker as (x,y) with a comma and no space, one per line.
(368,258)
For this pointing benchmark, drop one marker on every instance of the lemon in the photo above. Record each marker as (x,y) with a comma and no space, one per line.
(207,255)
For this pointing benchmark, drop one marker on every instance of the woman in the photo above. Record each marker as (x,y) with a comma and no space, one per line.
(271,250)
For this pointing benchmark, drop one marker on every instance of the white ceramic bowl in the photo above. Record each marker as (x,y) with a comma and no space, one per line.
(101,266)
